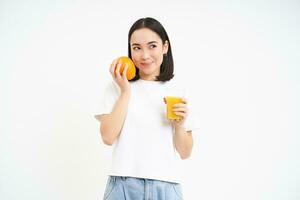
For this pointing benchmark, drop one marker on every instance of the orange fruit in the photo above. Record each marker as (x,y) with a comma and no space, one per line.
(131,68)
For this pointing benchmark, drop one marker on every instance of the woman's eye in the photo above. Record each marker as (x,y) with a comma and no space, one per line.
(152,46)
(136,48)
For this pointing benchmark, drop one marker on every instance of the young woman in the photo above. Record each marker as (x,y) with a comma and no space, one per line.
(147,146)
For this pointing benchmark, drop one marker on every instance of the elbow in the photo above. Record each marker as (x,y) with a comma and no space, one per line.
(185,153)
(106,137)
(185,156)
(107,141)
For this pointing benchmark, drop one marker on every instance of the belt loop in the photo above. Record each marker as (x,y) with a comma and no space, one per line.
(113,179)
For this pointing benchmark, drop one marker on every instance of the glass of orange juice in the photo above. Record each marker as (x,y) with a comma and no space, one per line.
(173,97)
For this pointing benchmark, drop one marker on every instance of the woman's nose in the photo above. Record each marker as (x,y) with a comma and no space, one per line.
(145,54)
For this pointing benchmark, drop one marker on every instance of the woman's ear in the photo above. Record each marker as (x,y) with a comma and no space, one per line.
(165,47)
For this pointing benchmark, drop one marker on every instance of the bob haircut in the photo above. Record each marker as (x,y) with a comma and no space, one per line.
(167,66)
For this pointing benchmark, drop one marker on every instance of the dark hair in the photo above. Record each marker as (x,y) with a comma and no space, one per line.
(167,66)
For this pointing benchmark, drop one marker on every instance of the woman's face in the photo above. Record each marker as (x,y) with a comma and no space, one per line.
(147,51)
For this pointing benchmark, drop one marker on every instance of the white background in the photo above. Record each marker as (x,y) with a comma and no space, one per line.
(241,57)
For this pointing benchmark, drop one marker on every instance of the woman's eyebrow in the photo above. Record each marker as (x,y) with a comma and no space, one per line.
(137,44)
(152,42)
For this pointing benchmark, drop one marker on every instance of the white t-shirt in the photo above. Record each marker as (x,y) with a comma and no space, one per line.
(145,148)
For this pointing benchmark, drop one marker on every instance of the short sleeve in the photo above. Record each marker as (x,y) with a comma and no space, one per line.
(107,100)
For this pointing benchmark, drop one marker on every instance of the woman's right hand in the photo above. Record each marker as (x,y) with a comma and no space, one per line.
(121,80)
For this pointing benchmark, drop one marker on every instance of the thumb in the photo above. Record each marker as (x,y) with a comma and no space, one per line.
(125,71)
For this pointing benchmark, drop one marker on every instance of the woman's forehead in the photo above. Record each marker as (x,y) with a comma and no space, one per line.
(144,36)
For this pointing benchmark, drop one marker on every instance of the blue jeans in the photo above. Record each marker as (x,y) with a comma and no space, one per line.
(121,188)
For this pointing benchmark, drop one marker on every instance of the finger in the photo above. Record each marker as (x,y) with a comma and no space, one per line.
(174,120)
(182,110)
(179,105)
(125,71)
(112,68)
(179,110)
(181,114)
(117,72)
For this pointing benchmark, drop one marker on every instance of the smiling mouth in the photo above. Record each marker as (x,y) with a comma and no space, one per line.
(146,64)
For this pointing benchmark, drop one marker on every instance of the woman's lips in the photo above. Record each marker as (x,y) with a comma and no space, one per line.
(146,64)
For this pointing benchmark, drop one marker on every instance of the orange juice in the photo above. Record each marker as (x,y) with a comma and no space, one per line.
(170,101)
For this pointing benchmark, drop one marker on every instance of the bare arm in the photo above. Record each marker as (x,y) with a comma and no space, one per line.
(111,124)
(183,141)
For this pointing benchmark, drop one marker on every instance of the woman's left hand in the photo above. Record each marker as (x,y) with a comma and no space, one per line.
(181,110)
